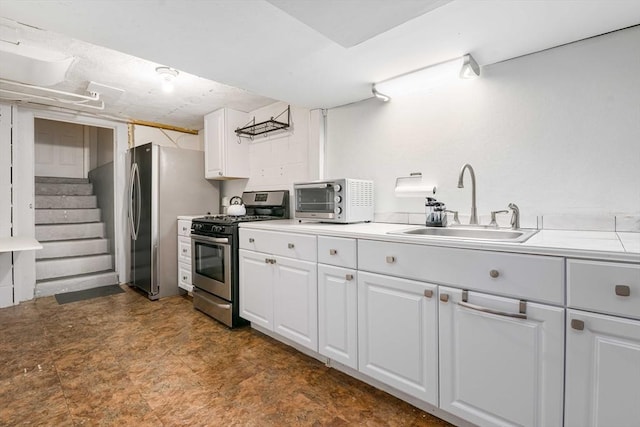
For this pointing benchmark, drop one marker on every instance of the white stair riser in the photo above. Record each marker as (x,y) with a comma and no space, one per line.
(67,248)
(61,216)
(48,269)
(69,231)
(42,188)
(78,283)
(66,202)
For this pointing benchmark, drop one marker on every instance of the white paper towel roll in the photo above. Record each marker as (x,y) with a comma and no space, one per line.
(412,186)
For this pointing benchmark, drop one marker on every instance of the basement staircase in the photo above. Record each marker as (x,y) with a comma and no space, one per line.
(75,254)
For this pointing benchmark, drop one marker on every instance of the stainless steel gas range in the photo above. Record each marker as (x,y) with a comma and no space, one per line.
(214,251)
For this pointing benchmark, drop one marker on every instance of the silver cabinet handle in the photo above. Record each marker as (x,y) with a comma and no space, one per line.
(428,293)
(184,278)
(492,311)
(623,290)
(267,261)
(251,240)
(290,245)
(332,251)
(521,315)
(391,259)
(184,250)
(444,297)
(349,277)
(494,273)
(578,325)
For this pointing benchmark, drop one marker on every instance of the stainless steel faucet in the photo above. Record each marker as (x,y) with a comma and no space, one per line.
(474,210)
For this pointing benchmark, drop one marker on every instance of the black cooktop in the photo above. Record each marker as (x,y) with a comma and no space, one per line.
(232,219)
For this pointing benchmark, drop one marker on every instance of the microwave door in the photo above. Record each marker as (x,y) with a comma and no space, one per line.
(315,202)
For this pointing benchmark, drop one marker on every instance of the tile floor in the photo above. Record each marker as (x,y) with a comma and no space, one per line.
(124,360)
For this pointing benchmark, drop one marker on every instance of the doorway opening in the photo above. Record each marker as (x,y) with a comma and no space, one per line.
(74,206)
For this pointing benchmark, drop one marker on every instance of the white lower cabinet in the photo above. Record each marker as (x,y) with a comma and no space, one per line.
(256,288)
(338,314)
(295,306)
(398,334)
(184,255)
(280,294)
(498,370)
(603,371)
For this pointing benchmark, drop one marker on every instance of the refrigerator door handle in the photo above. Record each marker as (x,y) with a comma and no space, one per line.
(139,200)
(131,225)
(134,179)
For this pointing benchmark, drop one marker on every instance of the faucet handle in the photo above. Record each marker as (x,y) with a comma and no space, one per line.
(456,220)
(515,217)
(493,217)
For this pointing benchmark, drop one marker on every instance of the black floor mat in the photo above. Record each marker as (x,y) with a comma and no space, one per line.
(102,291)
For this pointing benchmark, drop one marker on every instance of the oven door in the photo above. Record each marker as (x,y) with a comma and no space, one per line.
(211,264)
(315,200)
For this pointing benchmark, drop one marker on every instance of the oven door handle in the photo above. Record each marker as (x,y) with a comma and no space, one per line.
(311,186)
(204,239)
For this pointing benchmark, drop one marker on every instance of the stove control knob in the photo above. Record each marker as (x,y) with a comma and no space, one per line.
(338,199)
(337,188)
(338,210)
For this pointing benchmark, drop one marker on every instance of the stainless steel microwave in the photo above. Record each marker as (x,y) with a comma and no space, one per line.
(335,200)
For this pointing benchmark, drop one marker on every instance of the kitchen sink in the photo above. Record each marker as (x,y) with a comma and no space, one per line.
(475,233)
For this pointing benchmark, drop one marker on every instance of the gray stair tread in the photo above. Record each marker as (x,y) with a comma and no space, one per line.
(61,180)
(77,276)
(67,216)
(69,231)
(66,189)
(48,287)
(66,202)
(70,265)
(67,248)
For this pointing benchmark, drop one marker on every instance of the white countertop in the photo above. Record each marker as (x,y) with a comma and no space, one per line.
(14,244)
(602,245)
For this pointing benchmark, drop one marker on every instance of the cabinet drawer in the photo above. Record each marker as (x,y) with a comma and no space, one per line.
(298,246)
(337,251)
(604,287)
(184,227)
(184,249)
(184,276)
(531,277)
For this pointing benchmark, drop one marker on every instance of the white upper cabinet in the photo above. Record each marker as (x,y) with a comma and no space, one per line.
(225,155)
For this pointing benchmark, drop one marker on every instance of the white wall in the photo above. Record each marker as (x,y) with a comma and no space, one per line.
(556,132)
(278,160)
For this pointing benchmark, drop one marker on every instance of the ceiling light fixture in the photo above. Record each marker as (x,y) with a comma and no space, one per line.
(426,78)
(168,75)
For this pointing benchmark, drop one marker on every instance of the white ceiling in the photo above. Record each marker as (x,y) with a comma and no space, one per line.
(310,53)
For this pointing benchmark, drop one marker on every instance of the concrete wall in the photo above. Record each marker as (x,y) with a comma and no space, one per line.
(557,132)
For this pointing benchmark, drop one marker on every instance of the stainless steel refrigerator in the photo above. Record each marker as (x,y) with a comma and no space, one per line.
(164,182)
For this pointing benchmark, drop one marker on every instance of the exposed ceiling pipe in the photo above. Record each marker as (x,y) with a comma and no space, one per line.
(76,99)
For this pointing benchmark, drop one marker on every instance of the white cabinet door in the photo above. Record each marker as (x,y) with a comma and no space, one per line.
(497,370)
(397,334)
(225,156)
(256,288)
(338,314)
(603,371)
(295,301)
